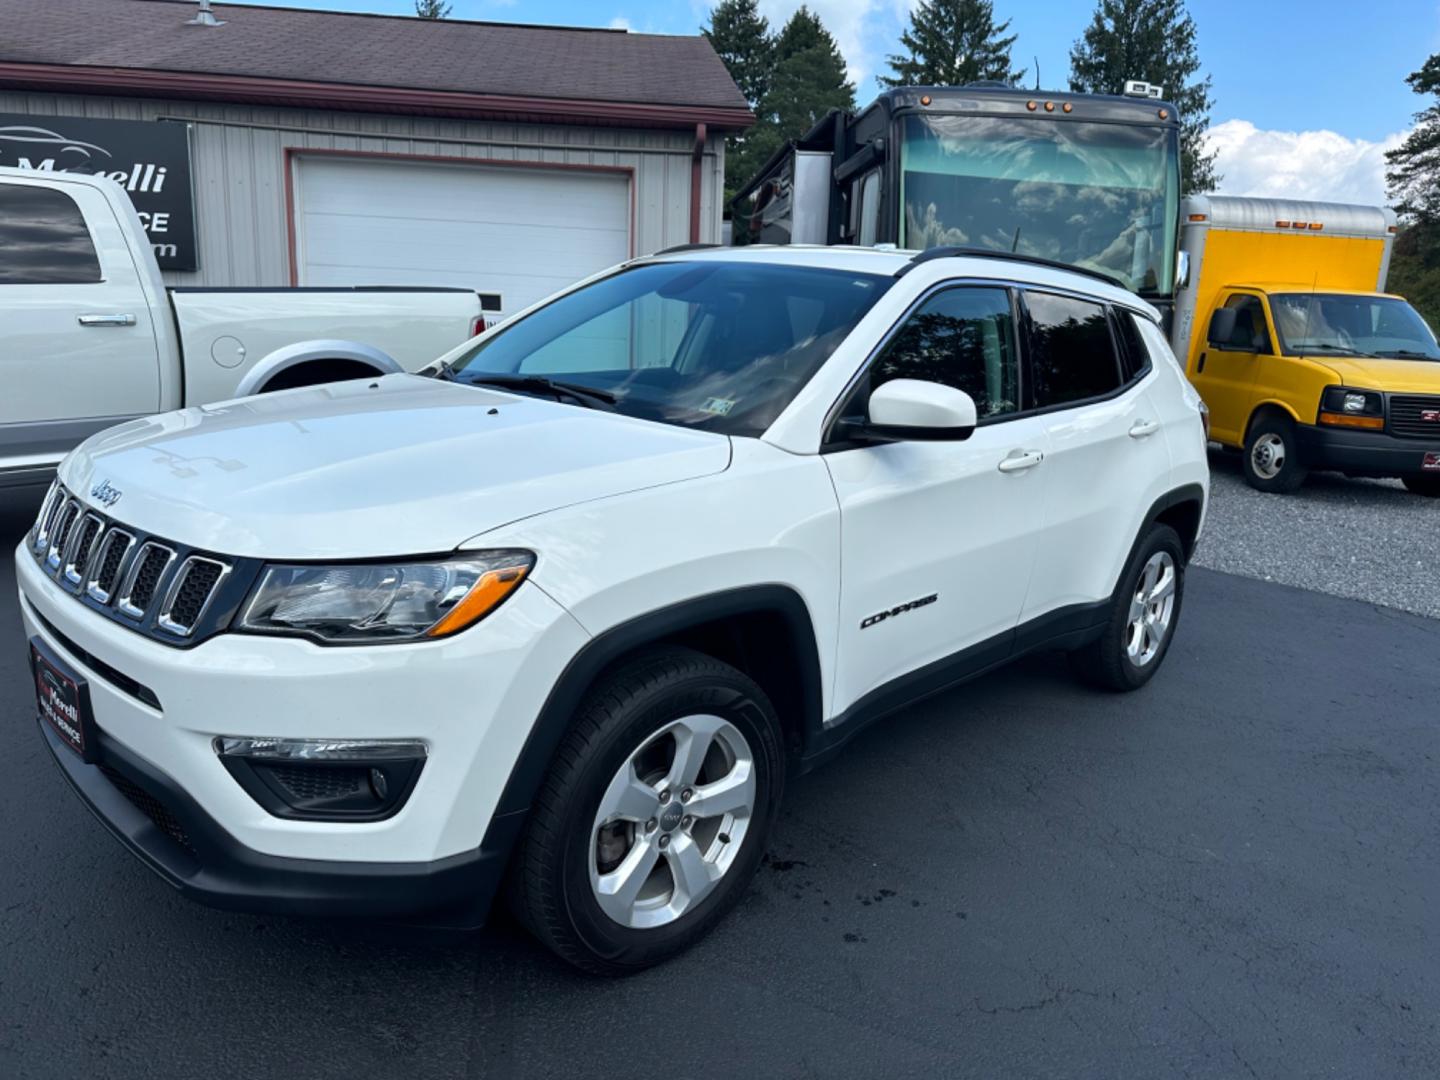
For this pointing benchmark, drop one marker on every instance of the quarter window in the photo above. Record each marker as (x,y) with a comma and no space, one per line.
(1133,353)
(1072,350)
(963,338)
(43,238)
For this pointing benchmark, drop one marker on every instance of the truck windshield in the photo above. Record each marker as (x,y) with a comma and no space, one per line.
(1336,324)
(1102,196)
(717,345)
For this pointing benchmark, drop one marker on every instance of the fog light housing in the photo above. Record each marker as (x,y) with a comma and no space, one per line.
(325,779)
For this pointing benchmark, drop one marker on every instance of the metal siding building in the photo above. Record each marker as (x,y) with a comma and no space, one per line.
(250,158)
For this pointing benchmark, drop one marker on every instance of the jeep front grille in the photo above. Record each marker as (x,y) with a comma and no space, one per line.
(165,590)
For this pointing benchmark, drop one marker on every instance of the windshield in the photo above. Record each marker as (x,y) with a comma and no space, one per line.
(1102,196)
(1337,324)
(722,346)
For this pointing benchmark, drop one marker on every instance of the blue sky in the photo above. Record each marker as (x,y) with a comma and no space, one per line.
(1308,93)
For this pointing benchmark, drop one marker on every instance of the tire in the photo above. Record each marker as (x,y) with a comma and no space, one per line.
(640,715)
(1423,484)
(1272,455)
(1112,661)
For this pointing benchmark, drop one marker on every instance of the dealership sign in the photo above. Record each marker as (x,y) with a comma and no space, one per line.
(150,159)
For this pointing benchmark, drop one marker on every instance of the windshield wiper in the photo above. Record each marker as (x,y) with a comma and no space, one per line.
(442,370)
(1406,354)
(580,392)
(1340,350)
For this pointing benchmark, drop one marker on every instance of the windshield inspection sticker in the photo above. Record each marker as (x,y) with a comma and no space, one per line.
(718,406)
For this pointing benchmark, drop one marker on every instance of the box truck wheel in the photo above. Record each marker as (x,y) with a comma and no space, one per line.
(1272,456)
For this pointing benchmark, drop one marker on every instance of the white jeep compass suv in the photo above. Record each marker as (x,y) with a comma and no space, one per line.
(564,610)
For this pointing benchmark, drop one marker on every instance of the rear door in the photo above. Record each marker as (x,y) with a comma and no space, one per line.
(1225,371)
(938,539)
(79,350)
(1107,457)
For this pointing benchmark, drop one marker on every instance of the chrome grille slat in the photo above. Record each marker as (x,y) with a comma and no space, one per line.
(162,590)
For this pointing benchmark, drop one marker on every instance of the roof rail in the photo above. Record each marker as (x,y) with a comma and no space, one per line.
(986,253)
(685,247)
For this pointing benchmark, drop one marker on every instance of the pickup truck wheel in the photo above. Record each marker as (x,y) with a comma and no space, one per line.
(1272,457)
(655,813)
(1142,618)
(1423,484)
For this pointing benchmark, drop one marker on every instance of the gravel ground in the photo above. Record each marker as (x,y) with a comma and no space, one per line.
(1368,540)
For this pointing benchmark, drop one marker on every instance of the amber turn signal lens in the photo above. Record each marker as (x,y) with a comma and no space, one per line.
(1197,217)
(1373,423)
(484,596)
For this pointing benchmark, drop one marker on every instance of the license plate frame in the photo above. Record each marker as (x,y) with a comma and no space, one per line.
(1430,462)
(62,701)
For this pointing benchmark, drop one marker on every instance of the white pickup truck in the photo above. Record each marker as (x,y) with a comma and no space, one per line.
(90,336)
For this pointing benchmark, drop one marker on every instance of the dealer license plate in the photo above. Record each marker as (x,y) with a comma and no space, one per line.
(63,700)
(1431,462)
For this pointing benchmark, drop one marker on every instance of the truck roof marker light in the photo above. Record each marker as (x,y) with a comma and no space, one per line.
(1031,106)
(925,99)
(1067,107)
(1316,226)
(1164,114)
(1197,217)
(1049,106)
(1393,229)
(1300,225)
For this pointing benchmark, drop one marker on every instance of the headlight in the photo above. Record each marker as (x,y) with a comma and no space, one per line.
(382,602)
(1341,406)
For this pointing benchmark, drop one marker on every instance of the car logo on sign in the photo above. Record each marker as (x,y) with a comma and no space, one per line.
(105,495)
(1430,416)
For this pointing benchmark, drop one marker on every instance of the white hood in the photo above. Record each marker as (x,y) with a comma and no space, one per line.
(396,466)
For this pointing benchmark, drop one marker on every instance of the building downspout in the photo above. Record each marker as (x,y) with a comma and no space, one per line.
(696,155)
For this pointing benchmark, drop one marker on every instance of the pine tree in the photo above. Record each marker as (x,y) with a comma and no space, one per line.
(1413,176)
(1153,40)
(432,9)
(740,35)
(809,80)
(951,43)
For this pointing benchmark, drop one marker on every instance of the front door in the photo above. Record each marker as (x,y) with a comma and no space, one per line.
(938,539)
(1225,371)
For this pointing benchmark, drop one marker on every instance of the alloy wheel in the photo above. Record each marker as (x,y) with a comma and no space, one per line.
(1151,609)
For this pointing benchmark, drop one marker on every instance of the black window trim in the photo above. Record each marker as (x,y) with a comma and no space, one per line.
(829,444)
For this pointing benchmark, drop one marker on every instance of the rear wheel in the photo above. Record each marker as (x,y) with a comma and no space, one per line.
(1424,484)
(1143,614)
(655,813)
(1272,457)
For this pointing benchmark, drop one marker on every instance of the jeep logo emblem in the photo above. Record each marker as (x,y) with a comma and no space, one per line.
(105,495)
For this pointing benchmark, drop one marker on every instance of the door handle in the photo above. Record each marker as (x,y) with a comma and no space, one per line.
(1017,460)
(106,320)
(1143,428)
(1199,367)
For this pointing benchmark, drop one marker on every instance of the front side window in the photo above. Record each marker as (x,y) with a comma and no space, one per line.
(1072,353)
(1251,333)
(717,345)
(1098,195)
(43,238)
(963,338)
(1329,324)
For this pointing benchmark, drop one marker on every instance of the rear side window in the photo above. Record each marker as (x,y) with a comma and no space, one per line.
(43,238)
(1072,350)
(1133,355)
(963,338)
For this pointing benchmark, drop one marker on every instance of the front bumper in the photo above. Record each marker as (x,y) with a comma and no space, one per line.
(472,699)
(1362,453)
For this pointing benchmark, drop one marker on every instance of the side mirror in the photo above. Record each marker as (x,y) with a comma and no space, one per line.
(1182,270)
(903,410)
(1222,327)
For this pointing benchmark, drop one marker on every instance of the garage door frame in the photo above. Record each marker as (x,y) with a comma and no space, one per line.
(293,153)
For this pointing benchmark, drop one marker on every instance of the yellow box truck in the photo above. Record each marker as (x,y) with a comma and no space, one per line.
(1305,362)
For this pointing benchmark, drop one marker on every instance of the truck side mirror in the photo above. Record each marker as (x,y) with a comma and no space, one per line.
(1182,270)
(1222,328)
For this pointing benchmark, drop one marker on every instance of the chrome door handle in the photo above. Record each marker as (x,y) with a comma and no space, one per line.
(1141,428)
(106,320)
(1017,460)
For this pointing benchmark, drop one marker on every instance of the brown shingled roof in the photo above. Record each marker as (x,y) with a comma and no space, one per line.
(340,59)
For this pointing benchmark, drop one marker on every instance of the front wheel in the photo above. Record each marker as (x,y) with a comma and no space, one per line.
(1142,618)
(1272,457)
(1423,484)
(655,813)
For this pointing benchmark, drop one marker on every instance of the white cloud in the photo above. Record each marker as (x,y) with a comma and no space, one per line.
(1321,165)
(619,22)
(852,23)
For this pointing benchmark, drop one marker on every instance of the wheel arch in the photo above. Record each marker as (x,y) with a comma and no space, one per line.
(1269,407)
(365,360)
(764,630)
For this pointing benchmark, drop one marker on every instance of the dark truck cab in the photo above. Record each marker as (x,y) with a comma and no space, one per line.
(1088,180)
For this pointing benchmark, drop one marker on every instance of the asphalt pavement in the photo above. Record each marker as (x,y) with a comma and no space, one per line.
(1231,873)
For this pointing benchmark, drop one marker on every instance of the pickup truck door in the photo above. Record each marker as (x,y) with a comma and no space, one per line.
(1225,371)
(79,350)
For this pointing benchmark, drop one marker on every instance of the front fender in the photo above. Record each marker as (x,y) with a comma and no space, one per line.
(304,352)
